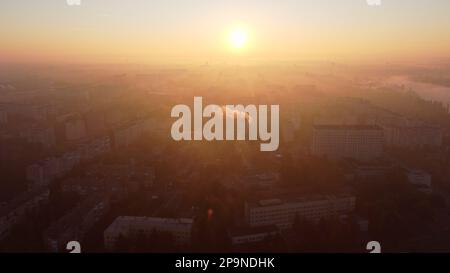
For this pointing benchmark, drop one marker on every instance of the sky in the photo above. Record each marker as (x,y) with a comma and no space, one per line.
(196,31)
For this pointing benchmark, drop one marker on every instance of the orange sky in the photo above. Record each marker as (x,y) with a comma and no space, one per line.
(196,31)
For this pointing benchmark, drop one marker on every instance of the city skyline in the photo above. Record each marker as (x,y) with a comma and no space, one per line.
(224,127)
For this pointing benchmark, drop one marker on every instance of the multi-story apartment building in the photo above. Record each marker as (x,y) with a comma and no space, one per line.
(282,212)
(247,235)
(15,210)
(44,171)
(74,225)
(130,226)
(413,136)
(39,134)
(127,134)
(362,142)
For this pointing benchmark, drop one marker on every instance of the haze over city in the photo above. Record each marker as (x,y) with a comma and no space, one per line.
(202,126)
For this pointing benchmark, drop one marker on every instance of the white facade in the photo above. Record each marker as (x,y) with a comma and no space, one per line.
(283,212)
(179,228)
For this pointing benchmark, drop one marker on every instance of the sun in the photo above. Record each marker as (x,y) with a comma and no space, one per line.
(238,38)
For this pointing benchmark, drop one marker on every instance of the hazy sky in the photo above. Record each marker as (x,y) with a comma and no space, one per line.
(180,31)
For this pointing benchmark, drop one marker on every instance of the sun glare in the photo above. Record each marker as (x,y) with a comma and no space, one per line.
(238,38)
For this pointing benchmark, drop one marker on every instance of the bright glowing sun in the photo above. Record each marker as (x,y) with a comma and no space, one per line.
(238,38)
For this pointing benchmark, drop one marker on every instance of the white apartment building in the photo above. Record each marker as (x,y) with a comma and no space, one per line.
(282,213)
(129,226)
(361,142)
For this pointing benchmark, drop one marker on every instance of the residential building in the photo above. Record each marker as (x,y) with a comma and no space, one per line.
(282,212)
(413,136)
(361,142)
(127,134)
(369,170)
(130,226)
(16,209)
(74,225)
(39,134)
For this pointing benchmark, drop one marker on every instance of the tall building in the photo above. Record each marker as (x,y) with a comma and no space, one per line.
(362,142)
(282,212)
(130,226)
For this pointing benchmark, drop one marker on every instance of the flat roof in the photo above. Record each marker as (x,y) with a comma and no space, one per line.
(347,127)
(150,220)
(243,231)
(290,198)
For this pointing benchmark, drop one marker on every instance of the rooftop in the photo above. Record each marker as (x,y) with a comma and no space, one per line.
(292,198)
(243,231)
(131,220)
(347,127)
